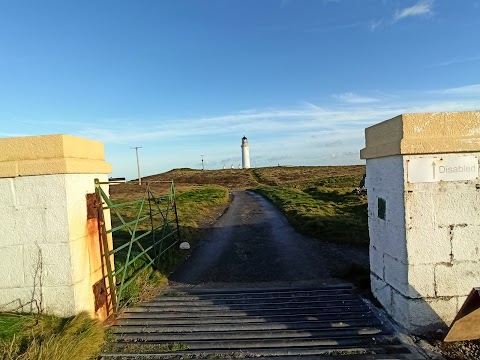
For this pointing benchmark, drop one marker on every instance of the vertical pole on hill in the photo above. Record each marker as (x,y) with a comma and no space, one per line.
(138,164)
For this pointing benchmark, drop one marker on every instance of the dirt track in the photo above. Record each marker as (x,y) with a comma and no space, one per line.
(253,242)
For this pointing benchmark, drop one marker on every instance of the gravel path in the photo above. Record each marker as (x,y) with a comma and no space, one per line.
(253,242)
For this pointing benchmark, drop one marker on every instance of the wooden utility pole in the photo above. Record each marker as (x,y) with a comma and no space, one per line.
(138,164)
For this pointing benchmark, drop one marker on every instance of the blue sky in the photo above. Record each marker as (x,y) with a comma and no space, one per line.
(300,78)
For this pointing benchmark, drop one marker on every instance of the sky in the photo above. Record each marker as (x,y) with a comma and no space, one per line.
(186,79)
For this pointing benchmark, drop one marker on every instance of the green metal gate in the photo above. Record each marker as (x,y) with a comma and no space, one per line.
(141,233)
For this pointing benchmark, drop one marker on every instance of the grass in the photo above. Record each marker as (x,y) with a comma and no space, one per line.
(316,200)
(145,348)
(299,176)
(44,337)
(195,204)
(323,208)
(229,178)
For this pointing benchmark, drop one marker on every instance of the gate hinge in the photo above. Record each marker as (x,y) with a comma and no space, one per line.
(100,293)
(92,210)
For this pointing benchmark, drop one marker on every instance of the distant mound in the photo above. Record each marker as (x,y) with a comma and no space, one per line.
(229,178)
(301,175)
(252,178)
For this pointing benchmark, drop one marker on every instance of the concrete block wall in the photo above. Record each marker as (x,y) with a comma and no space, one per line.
(47,247)
(425,252)
(49,251)
(443,232)
(388,248)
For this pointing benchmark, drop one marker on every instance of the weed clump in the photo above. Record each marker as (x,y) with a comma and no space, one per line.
(44,337)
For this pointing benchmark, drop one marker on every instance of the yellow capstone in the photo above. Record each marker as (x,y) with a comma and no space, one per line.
(424,133)
(51,154)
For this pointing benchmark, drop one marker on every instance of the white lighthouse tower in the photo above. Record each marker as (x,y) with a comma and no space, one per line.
(245,154)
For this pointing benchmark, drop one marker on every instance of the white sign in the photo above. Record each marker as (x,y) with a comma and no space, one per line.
(445,168)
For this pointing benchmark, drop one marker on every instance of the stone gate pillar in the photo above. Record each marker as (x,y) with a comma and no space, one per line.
(424,215)
(49,250)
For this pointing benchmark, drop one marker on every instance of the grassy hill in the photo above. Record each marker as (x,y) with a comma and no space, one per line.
(229,178)
(239,179)
(317,200)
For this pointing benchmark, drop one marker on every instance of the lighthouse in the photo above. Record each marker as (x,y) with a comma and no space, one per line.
(245,154)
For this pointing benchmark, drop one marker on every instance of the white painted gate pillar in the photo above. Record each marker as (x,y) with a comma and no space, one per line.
(49,251)
(424,215)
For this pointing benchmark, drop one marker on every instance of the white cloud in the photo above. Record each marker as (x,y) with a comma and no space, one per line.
(457,60)
(422,7)
(275,135)
(312,133)
(353,98)
(310,105)
(469,90)
(331,121)
(374,24)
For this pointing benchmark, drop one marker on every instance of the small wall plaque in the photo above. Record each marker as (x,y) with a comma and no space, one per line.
(445,168)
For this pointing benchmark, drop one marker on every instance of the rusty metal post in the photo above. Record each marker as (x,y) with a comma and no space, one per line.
(106,250)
